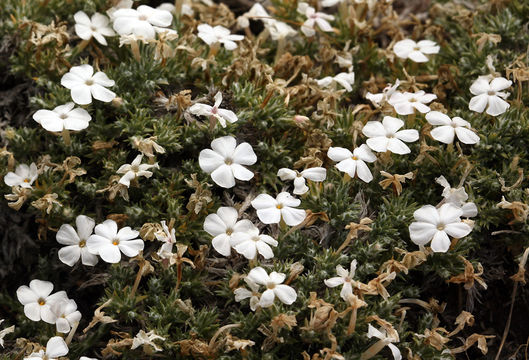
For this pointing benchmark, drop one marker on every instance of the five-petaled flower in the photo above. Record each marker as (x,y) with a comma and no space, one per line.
(108,243)
(316,174)
(225,160)
(141,22)
(405,103)
(37,300)
(353,163)
(384,136)
(76,242)
(67,315)
(415,51)
(63,117)
(218,34)
(344,278)
(274,287)
(23,176)
(222,115)
(134,170)
(343,78)
(242,293)
(449,128)
(435,225)
(271,211)
(314,18)
(223,226)
(488,94)
(96,27)
(84,84)
(250,242)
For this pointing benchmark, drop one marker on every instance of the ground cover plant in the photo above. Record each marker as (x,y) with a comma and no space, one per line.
(333,179)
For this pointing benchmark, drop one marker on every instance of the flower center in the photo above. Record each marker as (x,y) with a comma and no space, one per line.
(115,242)
(89,82)
(143,17)
(413,100)
(256,238)
(93,28)
(279,206)
(26,180)
(82,243)
(314,16)
(228,161)
(41,301)
(454,125)
(354,158)
(347,279)
(214,110)
(229,231)
(416,48)
(440,227)
(135,168)
(390,136)
(270,285)
(491,92)
(63,116)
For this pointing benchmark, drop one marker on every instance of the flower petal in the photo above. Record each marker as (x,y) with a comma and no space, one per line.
(440,242)
(285,293)
(223,176)
(291,216)
(69,255)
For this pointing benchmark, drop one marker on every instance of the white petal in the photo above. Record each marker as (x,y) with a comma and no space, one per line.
(81,95)
(285,293)
(395,351)
(497,106)
(102,79)
(378,144)
(67,235)
(466,136)
(444,134)
(315,173)
(221,243)
(288,200)
(417,56)
(333,282)
(363,152)
(292,217)
(42,288)
(247,248)
(373,129)
(363,171)
(480,86)
(109,253)
(409,135)
(209,160)
(244,154)
(214,225)
(449,213)
(469,210)
(127,233)
(458,230)
(267,298)
(88,258)
(478,103)
(428,214)
(338,153)
(440,242)
(299,186)
(69,255)
(422,232)
(398,147)
(131,247)
(225,146)
(240,172)
(63,326)
(85,226)
(107,229)
(263,201)
(500,83)
(56,347)
(347,166)
(101,93)
(259,276)
(32,311)
(438,118)
(223,176)
(270,215)
(26,296)
(228,115)
(286,174)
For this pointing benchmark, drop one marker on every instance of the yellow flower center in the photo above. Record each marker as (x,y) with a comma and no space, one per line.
(42,302)
(229,231)
(440,227)
(270,285)
(26,180)
(279,206)
(115,242)
(228,161)
(355,158)
(82,243)
(89,82)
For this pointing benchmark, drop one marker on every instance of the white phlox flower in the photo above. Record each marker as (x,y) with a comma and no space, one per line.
(75,242)
(278,29)
(134,170)
(353,163)
(146,339)
(405,103)
(225,160)
(67,315)
(344,278)
(37,300)
(55,348)
(84,85)
(316,174)
(380,99)
(488,94)
(222,115)
(457,197)
(242,293)
(314,18)
(415,51)
(343,78)
(223,226)
(218,34)
(63,117)
(449,128)
(384,136)
(274,287)
(24,176)
(168,238)
(96,27)
(271,211)
(141,22)
(4,332)
(329,3)
(385,340)
(249,243)
(122,4)
(432,224)
(108,243)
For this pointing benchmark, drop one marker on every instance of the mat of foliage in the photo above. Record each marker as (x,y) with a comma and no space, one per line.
(435,305)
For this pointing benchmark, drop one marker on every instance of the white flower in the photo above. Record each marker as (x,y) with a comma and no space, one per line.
(344,278)
(55,348)
(84,84)
(141,22)
(67,315)
(383,97)
(218,34)
(258,12)
(450,128)
(222,226)
(406,103)
(23,176)
(385,340)
(243,293)
(489,94)
(386,137)
(274,287)
(314,18)
(168,238)
(96,27)
(280,30)
(317,174)
(63,117)
(343,78)
(457,197)
(329,3)
(76,242)
(134,170)
(250,242)
(5,331)
(415,51)
(222,115)
(436,224)
(122,4)
(37,300)
(271,211)
(353,163)
(225,161)
(143,338)
(108,243)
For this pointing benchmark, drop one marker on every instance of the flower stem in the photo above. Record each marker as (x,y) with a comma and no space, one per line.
(136,281)
(71,334)
(135,48)
(66,137)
